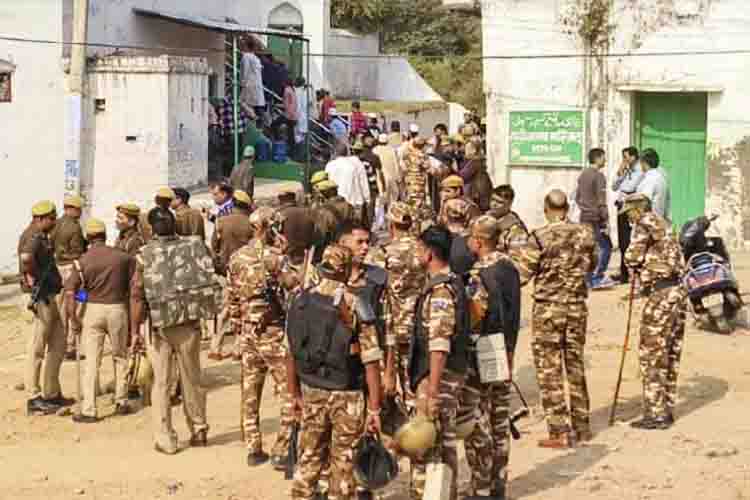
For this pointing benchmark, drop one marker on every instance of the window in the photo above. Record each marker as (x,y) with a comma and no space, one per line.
(5,87)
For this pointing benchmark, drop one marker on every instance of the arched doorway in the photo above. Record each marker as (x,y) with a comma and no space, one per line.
(287,17)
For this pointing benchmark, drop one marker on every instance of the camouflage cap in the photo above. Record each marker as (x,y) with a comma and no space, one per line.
(485,227)
(319,177)
(43,208)
(261,217)
(636,200)
(400,213)
(95,226)
(74,201)
(130,209)
(452,181)
(336,262)
(166,193)
(243,197)
(457,210)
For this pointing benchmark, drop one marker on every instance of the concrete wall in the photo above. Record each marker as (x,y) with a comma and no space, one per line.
(352,78)
(31,147)
(558,84)
(152,133)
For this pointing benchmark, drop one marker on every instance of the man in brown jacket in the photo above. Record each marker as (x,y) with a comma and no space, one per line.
(67,238)
(189,221)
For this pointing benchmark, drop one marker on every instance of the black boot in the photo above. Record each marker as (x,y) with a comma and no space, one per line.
(279,463)
(652,423)
(255,458)
(39,406)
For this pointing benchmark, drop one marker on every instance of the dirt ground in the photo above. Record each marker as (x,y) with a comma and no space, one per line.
(703,456)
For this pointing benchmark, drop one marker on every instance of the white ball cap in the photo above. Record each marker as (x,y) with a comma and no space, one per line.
(414,128)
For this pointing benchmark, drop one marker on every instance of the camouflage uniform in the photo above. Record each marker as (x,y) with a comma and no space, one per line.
(250,274)
(130,241)
(559,255)
(657,256)
(456,215)
(488,447)
(67,237)
(416,171)
(514,235)
(334,416)
(439,319)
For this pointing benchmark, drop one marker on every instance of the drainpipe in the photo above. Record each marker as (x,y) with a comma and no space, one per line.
(75,109)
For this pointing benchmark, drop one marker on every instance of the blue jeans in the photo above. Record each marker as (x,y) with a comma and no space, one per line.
(605,253)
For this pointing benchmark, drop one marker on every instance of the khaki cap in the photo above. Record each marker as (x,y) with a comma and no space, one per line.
(452,181)
(166,192)
(242,197)
(336,262)
(74,201)
(400,213)
(319,177)
(485,227)
(95,226)
(636,200)
(130,209)
(326,185)
(43,208)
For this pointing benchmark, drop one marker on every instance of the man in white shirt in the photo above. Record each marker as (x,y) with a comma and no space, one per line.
(350,175)
(655,184)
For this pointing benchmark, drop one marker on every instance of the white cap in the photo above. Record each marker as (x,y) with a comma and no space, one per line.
(333,111)
(383,139)
(372,115)
(414,128)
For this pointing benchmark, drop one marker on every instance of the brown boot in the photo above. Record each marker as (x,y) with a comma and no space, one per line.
(555,441)
(216,356)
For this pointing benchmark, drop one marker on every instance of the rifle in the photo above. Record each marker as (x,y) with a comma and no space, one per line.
(38,289)
(625,347)
(519,414)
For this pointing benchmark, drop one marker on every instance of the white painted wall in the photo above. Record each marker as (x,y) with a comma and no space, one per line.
(533,28)
(31,147)
(352,78)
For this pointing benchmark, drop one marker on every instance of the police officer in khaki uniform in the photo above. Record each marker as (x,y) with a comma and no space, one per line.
(104,274)
(46,344)
(163,198)
(130,239)
(232,232)
(69,245)
(189,220)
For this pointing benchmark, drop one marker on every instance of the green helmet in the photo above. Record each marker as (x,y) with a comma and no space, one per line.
(416,436)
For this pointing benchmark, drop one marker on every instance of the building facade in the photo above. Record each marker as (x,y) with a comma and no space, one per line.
(656,74)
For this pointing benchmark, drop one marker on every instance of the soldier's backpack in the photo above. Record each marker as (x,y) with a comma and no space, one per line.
(179,281)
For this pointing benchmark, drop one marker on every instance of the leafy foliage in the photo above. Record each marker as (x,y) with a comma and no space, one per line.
(444,47)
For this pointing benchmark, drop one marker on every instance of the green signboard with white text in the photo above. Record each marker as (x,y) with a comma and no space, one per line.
(547,138)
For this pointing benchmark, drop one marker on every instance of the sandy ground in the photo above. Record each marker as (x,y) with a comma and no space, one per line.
(703,456)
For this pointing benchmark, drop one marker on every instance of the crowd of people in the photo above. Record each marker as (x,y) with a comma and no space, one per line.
(392,292)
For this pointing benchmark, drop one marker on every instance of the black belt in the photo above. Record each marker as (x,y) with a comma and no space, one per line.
(662,285)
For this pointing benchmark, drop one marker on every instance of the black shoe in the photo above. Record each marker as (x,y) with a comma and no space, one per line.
(175,401)
(652,424)
(122,409)
(256,458)
(200,438)
(669,419)
(39,406)
(84,419)
(71,356)
(364,495)
(279,463)
(321,496)
(60,401)
(134,393)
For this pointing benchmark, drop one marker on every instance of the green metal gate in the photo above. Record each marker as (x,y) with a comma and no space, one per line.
(289,51)
(674,124)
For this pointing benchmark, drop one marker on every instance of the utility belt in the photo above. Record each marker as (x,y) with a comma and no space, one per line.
(660,285)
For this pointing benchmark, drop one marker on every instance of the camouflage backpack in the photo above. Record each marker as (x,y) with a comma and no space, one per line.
(180,283)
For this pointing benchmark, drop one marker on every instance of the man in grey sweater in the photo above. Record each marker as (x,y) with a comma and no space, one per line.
(591,198)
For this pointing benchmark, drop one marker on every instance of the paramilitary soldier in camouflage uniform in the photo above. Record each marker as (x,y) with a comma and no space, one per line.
(46,344)
(438,357)
(69,246)
(513,232)
(559,255)
(405,281)
(457,212)
(655,255)
(494,293)
(174,286)
(104,273)
(130,239)
(255,308)
(452,188)
(333,353)
(417,167)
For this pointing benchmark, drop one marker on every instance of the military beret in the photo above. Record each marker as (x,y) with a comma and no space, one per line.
(242,197)
(400,213)
(74,201)
(95,226)
(43,208)
(318,177)
(635,200)
(166,193)
(336,262)
(485,227)
(452,181)
(130,209)
(326,185)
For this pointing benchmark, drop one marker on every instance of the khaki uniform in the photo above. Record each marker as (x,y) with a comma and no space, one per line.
(130,241)
(69,246)
(46,344)
(189,222)
(558,256)
(439,319)
(105,273)
(162,346)
(334,416)
(251,272)
(657,256)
